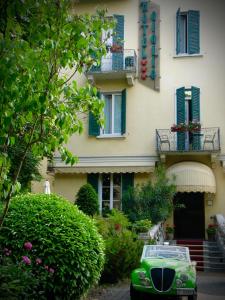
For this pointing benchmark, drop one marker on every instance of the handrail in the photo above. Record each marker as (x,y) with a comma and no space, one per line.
(202,140)
(157,233)
(220,235)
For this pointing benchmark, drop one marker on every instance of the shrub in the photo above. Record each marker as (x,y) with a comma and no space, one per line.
(87,200)
(142,226)
(152,200)
(16,282)
(123,249)
(64,238)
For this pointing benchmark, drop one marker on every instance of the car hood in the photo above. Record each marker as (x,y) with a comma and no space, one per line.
(164,263)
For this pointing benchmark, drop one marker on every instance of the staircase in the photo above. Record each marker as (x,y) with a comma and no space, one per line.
(207,255)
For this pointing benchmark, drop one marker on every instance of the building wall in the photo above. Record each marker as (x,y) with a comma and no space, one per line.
(148,110)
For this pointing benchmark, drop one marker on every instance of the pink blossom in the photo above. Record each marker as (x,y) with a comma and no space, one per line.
(26,260)
(7,251)
(46,268)
(38,261)
(51,270)
(28,246)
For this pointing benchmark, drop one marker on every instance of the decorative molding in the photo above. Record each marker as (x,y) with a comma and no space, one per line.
(130,79)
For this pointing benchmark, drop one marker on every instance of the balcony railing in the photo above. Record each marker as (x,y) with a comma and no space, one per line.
(124,60)
(204,140)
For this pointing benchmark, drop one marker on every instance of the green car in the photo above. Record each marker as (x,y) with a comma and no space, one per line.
(164,271)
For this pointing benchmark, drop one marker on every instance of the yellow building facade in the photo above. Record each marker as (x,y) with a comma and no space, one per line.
(166,67)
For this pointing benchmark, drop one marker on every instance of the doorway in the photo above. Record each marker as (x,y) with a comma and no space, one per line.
(189,220)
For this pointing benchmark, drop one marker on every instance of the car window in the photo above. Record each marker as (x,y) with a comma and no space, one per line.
(179,253)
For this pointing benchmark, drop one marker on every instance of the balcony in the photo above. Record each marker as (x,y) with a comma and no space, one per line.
(205,140)
(115,65)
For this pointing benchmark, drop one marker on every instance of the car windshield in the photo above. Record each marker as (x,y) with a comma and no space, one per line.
(172,252)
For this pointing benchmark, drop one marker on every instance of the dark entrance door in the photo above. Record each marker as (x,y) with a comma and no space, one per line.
(190,221)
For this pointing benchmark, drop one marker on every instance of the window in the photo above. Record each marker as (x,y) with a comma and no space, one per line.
(114,116)
(188,110)
(187,32)
(110,187)
(110,191)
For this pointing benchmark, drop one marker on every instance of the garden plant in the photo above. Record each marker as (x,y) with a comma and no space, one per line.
(122,246)
(152,200)
(87,200)
(59,239)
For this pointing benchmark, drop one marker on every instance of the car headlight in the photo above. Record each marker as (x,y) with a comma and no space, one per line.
(184,277)
(141,275)
(179,283)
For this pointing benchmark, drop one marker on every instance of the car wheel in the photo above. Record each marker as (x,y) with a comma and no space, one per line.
(134,294)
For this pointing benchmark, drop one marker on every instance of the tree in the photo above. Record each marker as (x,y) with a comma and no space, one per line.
(87,200)
(152,200)
(29,170)
(42,47)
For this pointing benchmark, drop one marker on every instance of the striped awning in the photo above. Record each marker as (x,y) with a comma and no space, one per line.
(192,177)
(107,164)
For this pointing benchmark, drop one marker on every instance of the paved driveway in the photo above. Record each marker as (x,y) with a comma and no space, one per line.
(211,286)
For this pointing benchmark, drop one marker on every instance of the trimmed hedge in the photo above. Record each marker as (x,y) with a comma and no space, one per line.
(65,239)
(87,200)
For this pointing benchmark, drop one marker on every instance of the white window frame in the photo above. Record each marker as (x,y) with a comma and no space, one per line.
(111,191)
(113,94)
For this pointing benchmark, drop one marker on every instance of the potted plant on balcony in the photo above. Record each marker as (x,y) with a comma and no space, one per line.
(211,232)
(181,127)
(115,48)
(192,126)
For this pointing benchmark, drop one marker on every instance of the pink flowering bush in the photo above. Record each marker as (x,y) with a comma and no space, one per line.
(58,245)
(19,279)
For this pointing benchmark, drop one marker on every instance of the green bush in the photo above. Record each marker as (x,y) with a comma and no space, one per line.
(152,200)
(142,226)
(16,281)
(87,200)
(65,239)
(123,249)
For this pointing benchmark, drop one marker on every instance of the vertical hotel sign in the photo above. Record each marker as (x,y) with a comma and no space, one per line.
(149,29)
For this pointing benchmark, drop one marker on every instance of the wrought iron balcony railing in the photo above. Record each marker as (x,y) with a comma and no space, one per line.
(204,140)
(122,60)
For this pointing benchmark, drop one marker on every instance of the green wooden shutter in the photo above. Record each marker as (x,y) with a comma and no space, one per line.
(123,112)
(117,58)
(193,32)
(180,117)
(178,32)
(93,180)
(127,181)
(94,127)
(195,109)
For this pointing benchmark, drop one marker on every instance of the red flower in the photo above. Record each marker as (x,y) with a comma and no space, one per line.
(117,227)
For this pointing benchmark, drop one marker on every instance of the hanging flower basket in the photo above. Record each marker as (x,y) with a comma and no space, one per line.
(182,127)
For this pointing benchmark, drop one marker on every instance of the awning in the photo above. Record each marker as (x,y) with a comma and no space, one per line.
(193,177)
(107,164)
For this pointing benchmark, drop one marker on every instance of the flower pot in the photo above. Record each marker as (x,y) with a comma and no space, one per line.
(169,236)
